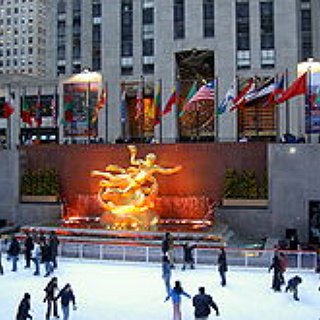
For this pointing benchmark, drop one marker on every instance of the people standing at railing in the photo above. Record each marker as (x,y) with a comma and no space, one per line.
(175,294)
(28,247)
(276,267)
(50,297)
(222,266)
(1,267)
(54,244)
(13,252)
(168,248)
(188,259)
(166,273)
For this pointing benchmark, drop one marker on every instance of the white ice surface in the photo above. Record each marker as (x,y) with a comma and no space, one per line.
(132,291)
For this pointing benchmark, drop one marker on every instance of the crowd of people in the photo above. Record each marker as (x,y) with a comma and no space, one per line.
(39,249)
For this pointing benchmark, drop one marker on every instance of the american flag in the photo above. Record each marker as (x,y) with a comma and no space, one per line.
(205,93)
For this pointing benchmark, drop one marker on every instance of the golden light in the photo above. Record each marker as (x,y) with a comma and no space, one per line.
(128,194)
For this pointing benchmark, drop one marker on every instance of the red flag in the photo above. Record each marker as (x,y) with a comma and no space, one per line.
(7,110)
(240,99)
(298,87)
(38,116)
(171,101)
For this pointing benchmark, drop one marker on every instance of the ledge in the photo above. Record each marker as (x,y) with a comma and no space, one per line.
(41,199)
(245,202)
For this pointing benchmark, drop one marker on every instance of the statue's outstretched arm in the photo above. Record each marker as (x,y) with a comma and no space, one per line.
(133,153)
(168,170)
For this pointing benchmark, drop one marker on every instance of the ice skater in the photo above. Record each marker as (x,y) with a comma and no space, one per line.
(50,298)
(54,244)
(292,286)
(222,266)
(66,296)
(36,257)
(202,303)
(166,273)
(175,294)
(24,308)
(28,247)
(168,247)
(276,267)
(13,252)
(188,259)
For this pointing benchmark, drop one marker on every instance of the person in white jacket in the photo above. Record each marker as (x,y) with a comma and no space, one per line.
(36,257)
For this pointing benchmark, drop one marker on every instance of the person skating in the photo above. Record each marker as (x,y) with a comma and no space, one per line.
(13,252)
(1,267)
(36,257)
(188,256)
(166,273)
(222,266)
(54,244)
(202,303)
(50,297)
(66,296)
(24,308)
(292,286)
(28,247)
(175,294)
(46,258)
(276,267)
(168,247)
(283,266)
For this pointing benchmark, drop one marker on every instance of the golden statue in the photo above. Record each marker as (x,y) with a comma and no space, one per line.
(130,193)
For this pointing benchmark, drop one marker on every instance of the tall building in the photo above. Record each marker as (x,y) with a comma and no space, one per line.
(139,45)
(23,35)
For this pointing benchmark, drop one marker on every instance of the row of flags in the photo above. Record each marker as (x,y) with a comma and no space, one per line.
(270,92)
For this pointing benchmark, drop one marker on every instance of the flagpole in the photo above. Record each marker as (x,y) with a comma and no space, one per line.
(8,133)
(287,104)
(215,110)
(88,111)
(160,115)
(277,116)
(106,106)
(308,100)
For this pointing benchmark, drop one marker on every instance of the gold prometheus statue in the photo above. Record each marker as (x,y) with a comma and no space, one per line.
(130,193)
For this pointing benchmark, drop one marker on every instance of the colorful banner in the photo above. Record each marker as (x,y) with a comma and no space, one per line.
(312,110)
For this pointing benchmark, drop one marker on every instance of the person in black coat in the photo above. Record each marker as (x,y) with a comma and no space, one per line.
(202,303)
(188,256)
(46,258)
(222,266)
(50,298)
(167,247)
(13,252)
(277,272)
(66,295)
(53,244)
(28,245)
(24,308)
(292,286)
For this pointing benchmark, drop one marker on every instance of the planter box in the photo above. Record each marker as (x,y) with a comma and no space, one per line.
(39,199)
(245,202)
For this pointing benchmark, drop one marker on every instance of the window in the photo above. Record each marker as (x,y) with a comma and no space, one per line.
(208,18)
(267,25)
(306,34)
(126,28)
(178,19)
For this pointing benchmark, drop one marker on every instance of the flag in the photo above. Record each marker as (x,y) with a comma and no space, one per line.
(53,108)
(192,91)
(123,107)
(102,100)
(298,87)
(25,112)
(277,90)
(205,93)
(139,101)
(171,101)
(68,108)
(240,99)
(227,102)
(7,110)
(38,117)
(157,104)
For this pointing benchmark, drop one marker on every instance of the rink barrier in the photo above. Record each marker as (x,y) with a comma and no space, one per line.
(203,255)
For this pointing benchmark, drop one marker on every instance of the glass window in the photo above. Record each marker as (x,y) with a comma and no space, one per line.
(208,18)
(178,19)
(267,25)
(242,25)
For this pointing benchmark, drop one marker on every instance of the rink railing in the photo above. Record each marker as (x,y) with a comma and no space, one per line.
(299,259)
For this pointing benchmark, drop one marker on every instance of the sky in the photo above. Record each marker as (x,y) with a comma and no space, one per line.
(135,291)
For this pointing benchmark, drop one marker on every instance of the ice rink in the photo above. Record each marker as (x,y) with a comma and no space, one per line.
(135,291)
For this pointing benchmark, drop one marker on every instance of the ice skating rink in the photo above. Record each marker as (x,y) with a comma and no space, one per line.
(135,291)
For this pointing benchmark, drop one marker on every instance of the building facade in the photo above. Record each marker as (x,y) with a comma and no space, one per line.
(141,45)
